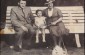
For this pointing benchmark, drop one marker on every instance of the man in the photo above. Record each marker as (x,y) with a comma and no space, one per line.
(54,23)
(21,17)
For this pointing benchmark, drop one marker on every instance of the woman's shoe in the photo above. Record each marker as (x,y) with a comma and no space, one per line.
(18,49)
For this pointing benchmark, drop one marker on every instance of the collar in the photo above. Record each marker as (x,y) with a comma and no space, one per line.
(50,10)
(21,8)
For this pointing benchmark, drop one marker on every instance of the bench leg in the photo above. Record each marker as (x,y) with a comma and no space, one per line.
(77,40)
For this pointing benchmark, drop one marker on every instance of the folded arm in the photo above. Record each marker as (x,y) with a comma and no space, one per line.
(60,17)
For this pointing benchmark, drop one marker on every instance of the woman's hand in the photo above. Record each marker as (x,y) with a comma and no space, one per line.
(43,26)
(53,23)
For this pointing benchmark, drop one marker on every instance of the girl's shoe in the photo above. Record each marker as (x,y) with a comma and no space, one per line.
(37,41)
(44,41)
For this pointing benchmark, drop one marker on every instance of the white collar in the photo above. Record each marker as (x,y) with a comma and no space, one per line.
(50,10)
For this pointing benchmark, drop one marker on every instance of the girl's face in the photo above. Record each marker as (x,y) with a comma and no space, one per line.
(39,13)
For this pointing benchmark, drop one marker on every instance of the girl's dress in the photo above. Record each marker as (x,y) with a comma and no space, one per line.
(40,22)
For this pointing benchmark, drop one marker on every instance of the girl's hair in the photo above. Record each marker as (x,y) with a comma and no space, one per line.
(38,11)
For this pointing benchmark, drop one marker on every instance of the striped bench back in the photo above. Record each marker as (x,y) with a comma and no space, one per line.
(73,17)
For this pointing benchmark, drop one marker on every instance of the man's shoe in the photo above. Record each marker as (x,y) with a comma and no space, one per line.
(18,49)
(11,47)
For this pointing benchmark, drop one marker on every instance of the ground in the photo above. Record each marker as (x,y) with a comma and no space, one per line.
(41,48)
(41,51)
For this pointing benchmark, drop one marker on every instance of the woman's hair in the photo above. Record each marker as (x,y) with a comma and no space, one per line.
(38,11)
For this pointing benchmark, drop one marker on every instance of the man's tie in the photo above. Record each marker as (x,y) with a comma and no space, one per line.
(24,16)
(23,13)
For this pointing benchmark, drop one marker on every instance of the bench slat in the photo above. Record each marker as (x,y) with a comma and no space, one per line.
(63,15)
(83,21)
(8,18)
(8,15)
(66,24)
(8,24)
(69,24)
(65,8)
(79,18)
(67,11)
(72,29)
(62,8)
(76,29)
(77,15)
(8,21)
(65,21)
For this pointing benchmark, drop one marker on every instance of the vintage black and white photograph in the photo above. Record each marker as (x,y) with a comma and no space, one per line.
(42,27)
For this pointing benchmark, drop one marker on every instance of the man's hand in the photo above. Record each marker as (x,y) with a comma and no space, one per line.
(24,28)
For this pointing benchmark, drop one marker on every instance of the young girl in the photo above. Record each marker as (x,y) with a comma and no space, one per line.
(40,24)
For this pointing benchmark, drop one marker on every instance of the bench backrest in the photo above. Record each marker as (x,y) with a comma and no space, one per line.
(72,15)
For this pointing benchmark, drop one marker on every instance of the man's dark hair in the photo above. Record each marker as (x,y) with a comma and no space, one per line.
(38,11)
(21,0)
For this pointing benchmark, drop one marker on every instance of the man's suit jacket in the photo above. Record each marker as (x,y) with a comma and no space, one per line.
(55,15)
(19,18)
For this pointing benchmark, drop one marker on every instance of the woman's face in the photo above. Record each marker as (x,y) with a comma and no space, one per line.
(39,13)
(50,5)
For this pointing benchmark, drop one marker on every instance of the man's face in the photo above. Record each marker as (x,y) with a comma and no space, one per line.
(22,4)
(50,5)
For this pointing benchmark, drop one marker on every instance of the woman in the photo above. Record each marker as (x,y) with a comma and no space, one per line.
(54,21)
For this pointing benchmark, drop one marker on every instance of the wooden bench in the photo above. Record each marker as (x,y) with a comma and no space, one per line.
(73,18)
